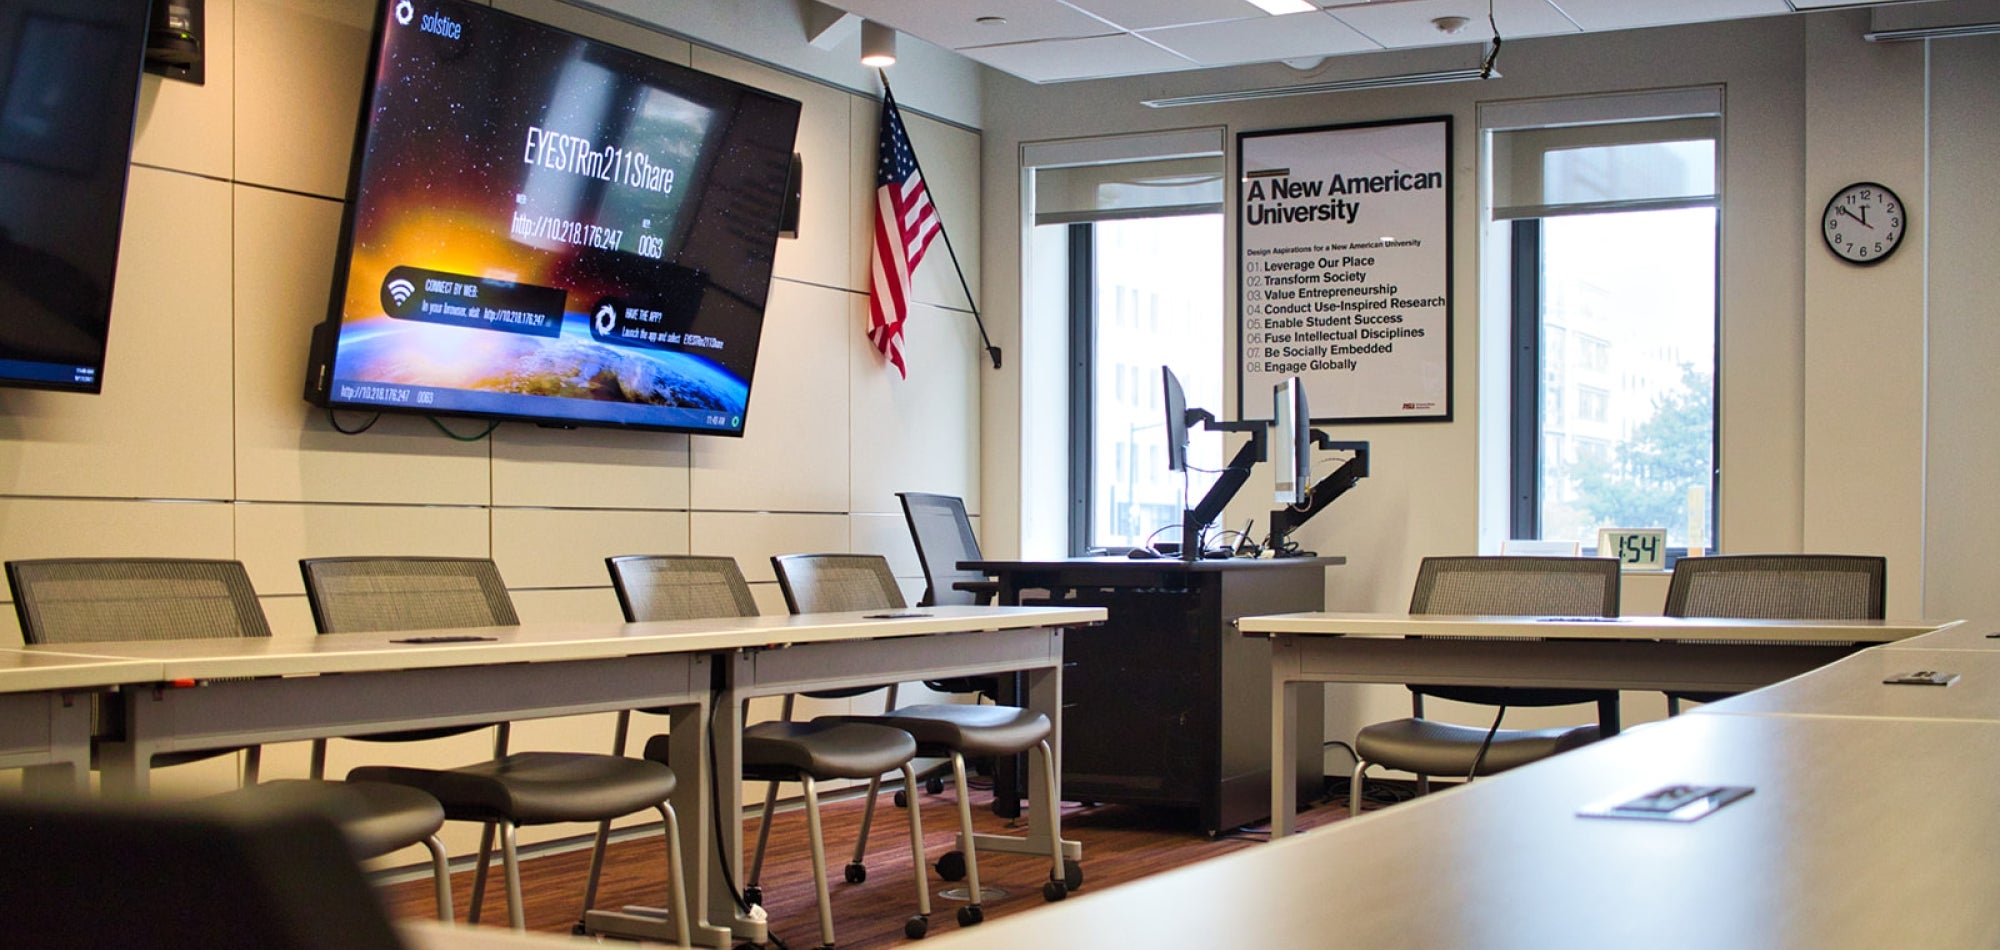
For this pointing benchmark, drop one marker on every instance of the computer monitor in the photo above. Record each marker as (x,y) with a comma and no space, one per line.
(1177,424)
(1291,443)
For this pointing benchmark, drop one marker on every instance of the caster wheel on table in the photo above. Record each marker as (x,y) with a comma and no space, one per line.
(1072,874)
(951,867)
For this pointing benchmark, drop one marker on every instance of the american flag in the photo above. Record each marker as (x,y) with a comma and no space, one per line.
(905,223)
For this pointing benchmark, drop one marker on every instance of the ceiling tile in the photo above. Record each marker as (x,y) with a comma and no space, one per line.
(1151,14)
(1058,60)
(953,24)
(1263,40)
(1594,15)
(1404,25)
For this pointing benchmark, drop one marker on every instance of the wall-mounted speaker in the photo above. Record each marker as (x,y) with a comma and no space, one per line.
(174,41)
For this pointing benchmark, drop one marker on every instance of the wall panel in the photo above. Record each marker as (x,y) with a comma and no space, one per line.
(160,428)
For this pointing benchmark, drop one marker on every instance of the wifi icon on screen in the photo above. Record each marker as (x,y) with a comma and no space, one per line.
(396,292)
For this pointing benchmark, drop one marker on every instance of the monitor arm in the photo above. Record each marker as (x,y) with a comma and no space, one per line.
(1193,520)
(1288,519)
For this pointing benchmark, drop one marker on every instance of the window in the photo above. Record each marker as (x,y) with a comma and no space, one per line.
(1169,271)
(1607,211)
(1126,257)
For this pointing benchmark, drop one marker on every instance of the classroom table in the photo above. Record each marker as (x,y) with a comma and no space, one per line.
(225,693)
(45,701)
(1957,636)
(1621,653)
(1854,687)
(1859,833)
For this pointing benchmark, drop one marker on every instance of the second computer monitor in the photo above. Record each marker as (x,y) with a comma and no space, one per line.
(1291,443)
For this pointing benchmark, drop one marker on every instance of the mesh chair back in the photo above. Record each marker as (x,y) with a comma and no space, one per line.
(943,535)
(1779,587)
(364,594)
(827,583)
(1517,586)
(1522,587)
(80,600)
(680,587)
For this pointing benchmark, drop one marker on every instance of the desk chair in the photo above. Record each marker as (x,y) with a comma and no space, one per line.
(942,533)
(1775,587)
(664,587)
(815,583)
(186,876)
(1516,586)
(81,600)
(511,790)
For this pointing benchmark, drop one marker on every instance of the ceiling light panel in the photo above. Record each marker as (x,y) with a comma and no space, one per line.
(1059,60)
(1407,25)
(1262,39)
(1282,7)
(1153,14)
(953,24)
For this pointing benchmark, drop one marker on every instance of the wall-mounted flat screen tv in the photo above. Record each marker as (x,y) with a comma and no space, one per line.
(69,88)
(547,228)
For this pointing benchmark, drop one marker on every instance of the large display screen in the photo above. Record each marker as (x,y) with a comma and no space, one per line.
(544,227)
(69,85)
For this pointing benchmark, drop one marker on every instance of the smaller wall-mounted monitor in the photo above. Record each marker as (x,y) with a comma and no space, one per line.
(547,228)
(1177,425)
(1291,443)
(69,89)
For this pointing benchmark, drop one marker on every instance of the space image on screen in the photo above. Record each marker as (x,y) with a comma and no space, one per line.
(547,228)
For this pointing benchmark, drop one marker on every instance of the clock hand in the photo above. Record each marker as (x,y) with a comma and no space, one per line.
(1842,209)
(1864,218)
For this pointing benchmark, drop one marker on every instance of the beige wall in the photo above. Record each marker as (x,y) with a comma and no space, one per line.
(1836,431)
(201,445)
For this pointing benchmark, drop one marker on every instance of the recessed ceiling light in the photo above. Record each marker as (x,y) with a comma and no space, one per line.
(1450,24)
(991,21)
(1279,7)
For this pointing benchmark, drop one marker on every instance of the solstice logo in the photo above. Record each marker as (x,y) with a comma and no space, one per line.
(405,12)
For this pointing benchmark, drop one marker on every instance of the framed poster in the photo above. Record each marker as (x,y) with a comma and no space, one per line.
(1344,269)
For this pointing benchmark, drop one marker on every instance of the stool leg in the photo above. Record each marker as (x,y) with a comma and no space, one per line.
(596,865)
(763,837)
(917,844)
(479,874)
(1354,796)
(441,874)
(867,819)
(677,877)
(1055,813)
(819,861)
(517,916)
(965,829)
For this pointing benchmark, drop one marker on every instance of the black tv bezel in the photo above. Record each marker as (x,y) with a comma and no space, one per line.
(326,333)
(96,386)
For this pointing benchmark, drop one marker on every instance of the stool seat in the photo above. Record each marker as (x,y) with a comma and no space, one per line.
(375,817)
(974,730)
(781,751)
(535,788)
(1429,747)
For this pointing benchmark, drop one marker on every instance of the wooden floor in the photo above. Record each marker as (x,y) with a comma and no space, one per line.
(1120,844)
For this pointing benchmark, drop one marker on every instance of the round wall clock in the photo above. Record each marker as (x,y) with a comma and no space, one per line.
(1863,223)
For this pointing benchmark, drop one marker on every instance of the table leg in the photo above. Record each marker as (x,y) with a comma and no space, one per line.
(1284,734)
(725,867)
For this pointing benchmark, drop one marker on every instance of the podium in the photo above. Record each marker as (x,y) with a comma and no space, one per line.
(1166,703)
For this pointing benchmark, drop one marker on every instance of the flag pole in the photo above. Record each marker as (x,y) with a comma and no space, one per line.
(991,350)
